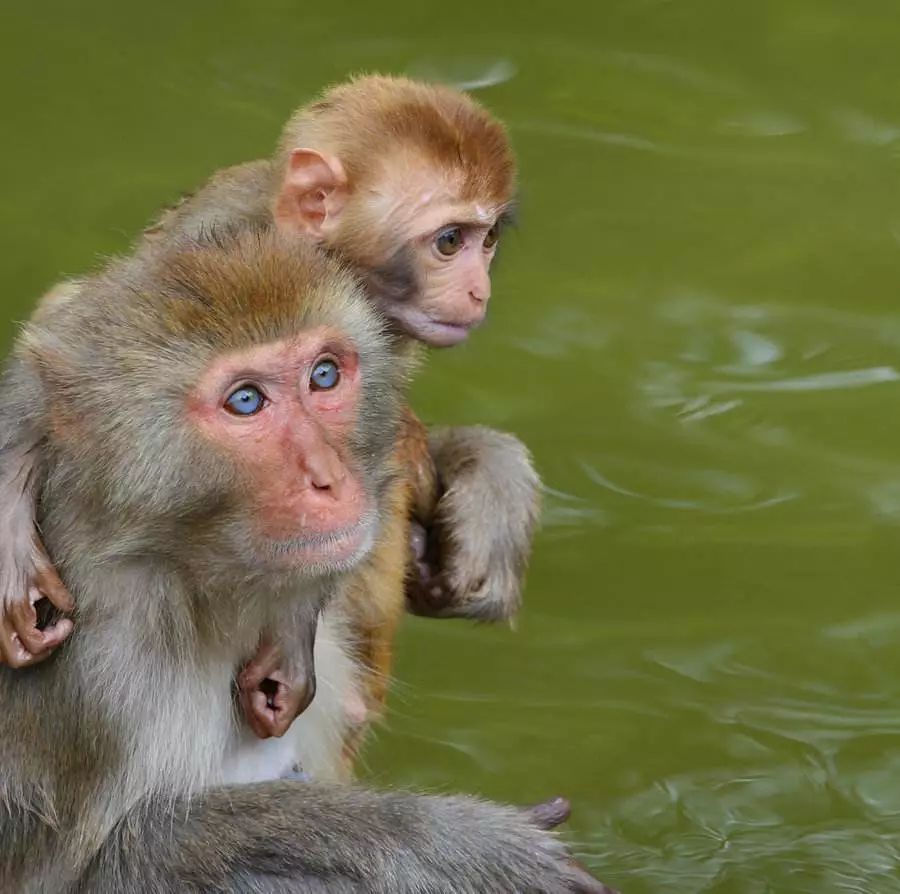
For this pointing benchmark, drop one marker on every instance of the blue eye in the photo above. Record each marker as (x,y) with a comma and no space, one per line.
(324,376)
(246,401)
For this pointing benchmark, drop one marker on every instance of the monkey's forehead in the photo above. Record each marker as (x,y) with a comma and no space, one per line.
(373,119)
(420,205)
(180,305)
(254,287)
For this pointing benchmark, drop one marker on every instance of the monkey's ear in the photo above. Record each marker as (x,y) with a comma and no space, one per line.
(312,194)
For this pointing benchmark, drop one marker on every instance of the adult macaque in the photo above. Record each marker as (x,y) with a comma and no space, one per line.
(410,184)
(220,423)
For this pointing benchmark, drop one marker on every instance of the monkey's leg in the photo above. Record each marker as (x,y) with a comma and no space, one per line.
(302,837)
(474,558)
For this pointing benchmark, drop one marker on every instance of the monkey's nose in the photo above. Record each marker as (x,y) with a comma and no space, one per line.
(480,290)
(326,472)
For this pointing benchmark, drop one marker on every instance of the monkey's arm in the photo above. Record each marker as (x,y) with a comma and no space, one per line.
(479,531)
(302,837)
(26,573)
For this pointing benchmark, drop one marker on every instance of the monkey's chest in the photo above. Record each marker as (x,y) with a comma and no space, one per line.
(249,759)
(314,741)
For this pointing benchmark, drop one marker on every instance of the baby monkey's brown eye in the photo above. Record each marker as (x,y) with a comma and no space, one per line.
(492,235)
(449,242)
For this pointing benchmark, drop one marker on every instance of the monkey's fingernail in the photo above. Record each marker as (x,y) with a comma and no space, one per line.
(417,540)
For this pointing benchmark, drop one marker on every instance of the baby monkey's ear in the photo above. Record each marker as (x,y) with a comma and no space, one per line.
(312,194)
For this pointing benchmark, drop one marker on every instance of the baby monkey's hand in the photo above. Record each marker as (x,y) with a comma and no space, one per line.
(270,697)
(26,577)
(470,555)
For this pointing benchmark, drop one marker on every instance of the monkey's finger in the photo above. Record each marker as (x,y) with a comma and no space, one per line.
(434,590)
(264,663)
(427,593)
(57,634)
(549,814)
(256,710)
(418,541)
(39,642)
(278,721)
(291,701)
(12,652)
(22,616)
(50,584)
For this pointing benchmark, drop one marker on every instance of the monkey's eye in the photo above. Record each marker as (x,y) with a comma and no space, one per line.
(449,241)
(324,376)
(492,235)
(245,401)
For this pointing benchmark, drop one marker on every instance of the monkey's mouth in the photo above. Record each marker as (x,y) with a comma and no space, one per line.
(445,335)
(343,546)
(437,333)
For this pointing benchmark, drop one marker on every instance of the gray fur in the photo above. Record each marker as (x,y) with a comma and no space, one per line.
(20,453)
(496,544)
(112,751)
(481,535)
(298,837)
(482,530)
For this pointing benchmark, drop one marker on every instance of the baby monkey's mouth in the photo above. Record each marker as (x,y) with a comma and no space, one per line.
(445,335)
(435,332)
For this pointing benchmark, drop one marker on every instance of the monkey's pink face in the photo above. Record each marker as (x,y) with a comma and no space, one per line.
(455,264)
(284,414)
(453,243)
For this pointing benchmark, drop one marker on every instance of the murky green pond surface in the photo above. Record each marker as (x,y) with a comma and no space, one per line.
(696,330)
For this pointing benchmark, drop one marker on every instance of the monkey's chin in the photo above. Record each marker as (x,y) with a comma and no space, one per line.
(337,550)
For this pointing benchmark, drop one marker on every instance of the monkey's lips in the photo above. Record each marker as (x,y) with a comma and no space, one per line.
(434,332)
(339,548)
(446,335)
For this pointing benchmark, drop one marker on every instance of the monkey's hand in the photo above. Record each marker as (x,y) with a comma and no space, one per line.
(271,697)
(470,560)
(26,573)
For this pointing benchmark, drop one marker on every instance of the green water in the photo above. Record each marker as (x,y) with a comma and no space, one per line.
(696,330)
